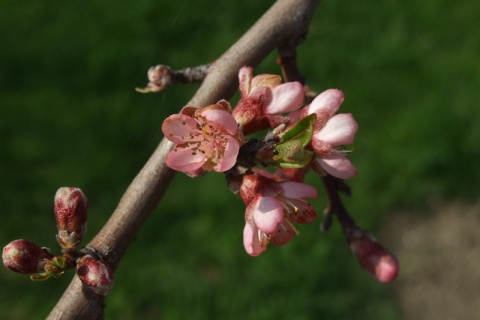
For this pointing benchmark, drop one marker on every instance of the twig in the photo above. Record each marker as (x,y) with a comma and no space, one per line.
(287,60)
(286,20)
(335,206)
(161,77)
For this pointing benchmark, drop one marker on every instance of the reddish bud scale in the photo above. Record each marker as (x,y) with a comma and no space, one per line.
(25,257)
(70,210)
(297,175)
(96,275)
(373,257)
(254,184)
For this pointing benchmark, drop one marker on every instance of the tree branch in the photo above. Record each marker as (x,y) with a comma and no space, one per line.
(285,22)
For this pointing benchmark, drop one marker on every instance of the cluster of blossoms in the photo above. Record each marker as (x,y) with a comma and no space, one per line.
(300,137)
(26,257)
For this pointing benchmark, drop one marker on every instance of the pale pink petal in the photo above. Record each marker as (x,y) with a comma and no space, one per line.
(297,115)
(267,212)
(297,190)
(222,119)
(339,130)
(229,156)
(329,100)
(285,98)
(183,160)
(251,240)
(195,173)
(245,75)
(177,127)
(264,173)
(338,166)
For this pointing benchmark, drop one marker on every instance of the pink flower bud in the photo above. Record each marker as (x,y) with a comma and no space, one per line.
(71,214)
(373,257)
(25,257)
(95,274)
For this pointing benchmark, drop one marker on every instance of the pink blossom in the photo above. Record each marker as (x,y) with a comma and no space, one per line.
(263,99)
(332,131)
(272,208)
(206,139)
(373,257)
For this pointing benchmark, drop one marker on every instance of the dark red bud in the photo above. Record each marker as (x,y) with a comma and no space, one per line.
(373,257)
(70,210)
(95,274)
(25,257)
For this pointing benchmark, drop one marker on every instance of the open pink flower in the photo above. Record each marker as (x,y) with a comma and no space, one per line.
(332,131)
(263,99)
(206,139)
(272,208)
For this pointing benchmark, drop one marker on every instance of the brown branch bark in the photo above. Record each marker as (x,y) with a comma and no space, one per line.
(333,186)
(286,22)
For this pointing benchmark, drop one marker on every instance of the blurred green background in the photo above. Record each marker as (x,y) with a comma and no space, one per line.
(70,117)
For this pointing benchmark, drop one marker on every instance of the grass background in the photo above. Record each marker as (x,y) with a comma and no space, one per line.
(70,116)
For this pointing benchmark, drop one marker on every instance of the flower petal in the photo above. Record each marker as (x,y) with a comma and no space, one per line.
(338,166)
(297,115)
(223,120)
(285,98)
(284,234)
(264,173)
(251,240)
(267,212)
(297,190)
(229,156)
(304,213)
(339,130)
(183,159)
(245,75)
(177,127)
(329,100)
(265,80)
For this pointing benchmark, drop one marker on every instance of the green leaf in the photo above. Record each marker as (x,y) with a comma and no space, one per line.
(302,130)
(290,152)
(40,276)
(59,262)
(147,89)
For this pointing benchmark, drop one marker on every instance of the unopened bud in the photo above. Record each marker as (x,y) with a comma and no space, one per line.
(372,256)
(70,210)
(95,274)
(25,257)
